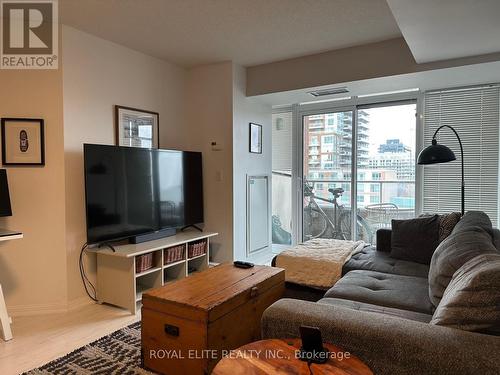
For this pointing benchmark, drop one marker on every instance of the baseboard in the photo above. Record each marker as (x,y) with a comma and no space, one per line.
(48,308)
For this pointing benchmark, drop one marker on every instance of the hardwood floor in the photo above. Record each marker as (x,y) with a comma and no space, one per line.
(40,339)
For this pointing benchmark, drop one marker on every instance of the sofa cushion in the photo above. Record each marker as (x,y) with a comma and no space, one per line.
(415,240)
(360,306)
(473,219)
(371,259)
(383,289)
(460,247)
(472,299)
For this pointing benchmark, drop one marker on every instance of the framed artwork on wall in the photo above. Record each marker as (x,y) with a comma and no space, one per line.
(255,138)
(23,141)
(136,127)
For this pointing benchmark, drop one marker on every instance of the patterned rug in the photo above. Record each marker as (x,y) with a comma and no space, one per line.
(117,353)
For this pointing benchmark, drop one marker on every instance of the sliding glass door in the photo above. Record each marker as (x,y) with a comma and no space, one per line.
(327,168)
(386,165)
(361,161)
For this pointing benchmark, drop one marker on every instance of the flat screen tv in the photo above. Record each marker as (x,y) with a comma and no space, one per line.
(135,191)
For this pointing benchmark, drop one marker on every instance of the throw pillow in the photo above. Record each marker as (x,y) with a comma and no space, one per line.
(471,300)
(415,239)
(453,253)
(446,224)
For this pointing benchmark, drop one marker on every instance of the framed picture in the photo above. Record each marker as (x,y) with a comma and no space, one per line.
(255,138)
(22,141)
(136,127)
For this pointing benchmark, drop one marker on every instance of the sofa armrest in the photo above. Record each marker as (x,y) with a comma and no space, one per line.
(384,240)
(387,344)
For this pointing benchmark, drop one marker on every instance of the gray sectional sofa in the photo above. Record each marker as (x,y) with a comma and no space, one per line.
(402,317)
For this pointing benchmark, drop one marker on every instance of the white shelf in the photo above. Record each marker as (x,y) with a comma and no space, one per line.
(132,250)
(174,263)
(118,283)
(198,256)
(140,289)
(154,269)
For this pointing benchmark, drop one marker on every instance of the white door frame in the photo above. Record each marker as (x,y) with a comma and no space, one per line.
(344,105)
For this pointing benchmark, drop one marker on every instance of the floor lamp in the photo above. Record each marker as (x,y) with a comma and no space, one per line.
(436,154)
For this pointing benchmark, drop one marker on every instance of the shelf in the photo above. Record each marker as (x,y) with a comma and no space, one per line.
(174,263)
(154,269)
(132,250)
(139,290)
(198,256)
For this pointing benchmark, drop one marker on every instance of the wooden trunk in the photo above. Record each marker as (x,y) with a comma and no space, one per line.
(187,325)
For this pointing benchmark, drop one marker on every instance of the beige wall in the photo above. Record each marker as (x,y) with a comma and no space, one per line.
(33,269)
(40,273)
(97,75)
(209,101)
(382,59)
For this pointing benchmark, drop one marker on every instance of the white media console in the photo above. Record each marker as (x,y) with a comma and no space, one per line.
(119,284)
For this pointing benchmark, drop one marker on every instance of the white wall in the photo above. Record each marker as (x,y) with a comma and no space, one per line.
(98,74)
(209,99)
(246,110)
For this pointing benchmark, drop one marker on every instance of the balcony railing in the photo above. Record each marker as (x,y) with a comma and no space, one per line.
(394,199)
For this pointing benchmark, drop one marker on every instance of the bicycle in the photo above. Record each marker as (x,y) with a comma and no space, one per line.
(318,222)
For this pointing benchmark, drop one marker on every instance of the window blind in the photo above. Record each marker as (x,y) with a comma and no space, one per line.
(474,113)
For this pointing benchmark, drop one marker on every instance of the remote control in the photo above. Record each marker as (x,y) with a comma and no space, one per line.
(241,264)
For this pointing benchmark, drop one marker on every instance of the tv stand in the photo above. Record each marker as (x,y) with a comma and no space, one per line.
(191,226)
(119,283)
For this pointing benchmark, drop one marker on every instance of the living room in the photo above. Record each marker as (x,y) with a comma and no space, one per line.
(287,115)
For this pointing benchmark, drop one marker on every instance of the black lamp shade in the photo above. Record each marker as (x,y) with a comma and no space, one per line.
(5,209)
(435,154)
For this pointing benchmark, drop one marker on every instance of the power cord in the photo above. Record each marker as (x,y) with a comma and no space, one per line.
(86,282)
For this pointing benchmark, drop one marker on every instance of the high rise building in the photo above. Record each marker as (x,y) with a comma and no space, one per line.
(328,147)
(394,156)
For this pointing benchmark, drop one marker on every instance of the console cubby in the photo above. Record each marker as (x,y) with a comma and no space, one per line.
(119,284)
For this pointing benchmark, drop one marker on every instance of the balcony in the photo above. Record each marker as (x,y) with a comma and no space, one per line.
(378,203)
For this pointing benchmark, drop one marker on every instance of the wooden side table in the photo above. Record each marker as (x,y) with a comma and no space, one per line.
(278,357)
(6,235)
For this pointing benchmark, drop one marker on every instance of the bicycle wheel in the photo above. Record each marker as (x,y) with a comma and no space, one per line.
(314,223)
(363,228)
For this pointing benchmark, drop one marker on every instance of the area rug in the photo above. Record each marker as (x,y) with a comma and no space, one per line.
(116,353)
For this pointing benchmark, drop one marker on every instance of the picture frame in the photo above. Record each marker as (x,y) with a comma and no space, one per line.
(255,137)
(136,127)
(23,141)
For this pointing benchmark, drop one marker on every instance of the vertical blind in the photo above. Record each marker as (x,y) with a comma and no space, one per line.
(474,113)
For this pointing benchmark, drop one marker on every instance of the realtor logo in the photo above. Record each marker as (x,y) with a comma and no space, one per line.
(29,34)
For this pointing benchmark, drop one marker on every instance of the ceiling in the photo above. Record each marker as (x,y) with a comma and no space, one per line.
(248,32)
(447,29)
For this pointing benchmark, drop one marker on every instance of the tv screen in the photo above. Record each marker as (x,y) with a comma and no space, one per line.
(131,191)
(5,209)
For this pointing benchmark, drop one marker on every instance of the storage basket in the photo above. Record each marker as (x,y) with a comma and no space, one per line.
(197,248)
(143,262)
(173,254)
